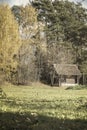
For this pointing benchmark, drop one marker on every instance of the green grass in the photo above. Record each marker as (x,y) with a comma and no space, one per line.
(77,87)
(41,107)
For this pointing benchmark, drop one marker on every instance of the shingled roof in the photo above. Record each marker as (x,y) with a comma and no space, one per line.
(67,69)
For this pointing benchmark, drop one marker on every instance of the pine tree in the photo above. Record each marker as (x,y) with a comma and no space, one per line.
(65,24)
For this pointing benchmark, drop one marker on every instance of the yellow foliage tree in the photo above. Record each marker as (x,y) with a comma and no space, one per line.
(9,40)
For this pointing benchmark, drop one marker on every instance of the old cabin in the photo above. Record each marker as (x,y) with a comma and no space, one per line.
(64,74)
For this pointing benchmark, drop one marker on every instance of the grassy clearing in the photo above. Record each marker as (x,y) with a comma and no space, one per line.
(41,107)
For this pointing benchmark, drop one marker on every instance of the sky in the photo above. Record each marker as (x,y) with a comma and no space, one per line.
(84,2)
(24,2)
(15,2)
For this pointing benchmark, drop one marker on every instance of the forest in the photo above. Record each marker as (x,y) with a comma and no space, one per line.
(38,35)
(42,43)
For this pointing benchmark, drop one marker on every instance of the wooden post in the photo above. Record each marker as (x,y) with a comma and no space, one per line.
(83,78)
(59,80)
(52,78)
(77,80)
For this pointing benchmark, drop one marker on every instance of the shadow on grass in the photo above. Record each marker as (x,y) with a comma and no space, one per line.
(17,121)
(26,121)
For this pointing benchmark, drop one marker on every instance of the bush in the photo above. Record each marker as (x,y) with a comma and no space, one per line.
(77,87)
(2,94)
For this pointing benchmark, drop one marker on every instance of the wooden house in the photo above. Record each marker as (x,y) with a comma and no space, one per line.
(64,74)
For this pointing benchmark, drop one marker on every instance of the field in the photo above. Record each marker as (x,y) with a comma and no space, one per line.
(41,107)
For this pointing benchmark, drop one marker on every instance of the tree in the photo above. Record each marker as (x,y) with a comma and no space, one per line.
(62,18)
(66,26)
(9,42)
(64,22)
(27,19)
(28,26)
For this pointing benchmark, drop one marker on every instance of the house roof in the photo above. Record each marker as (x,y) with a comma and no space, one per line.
(67,69)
